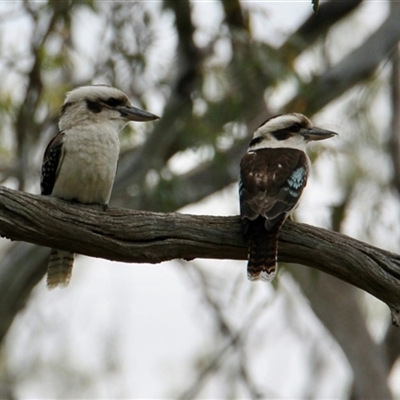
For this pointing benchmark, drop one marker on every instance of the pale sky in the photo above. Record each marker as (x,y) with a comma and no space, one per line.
(151,318)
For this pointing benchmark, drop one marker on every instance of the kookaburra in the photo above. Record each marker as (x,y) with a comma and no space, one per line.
(80,162)
(273,174)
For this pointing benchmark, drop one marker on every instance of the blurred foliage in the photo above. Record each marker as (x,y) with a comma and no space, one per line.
(213,84)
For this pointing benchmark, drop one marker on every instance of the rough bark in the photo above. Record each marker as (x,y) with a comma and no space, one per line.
(144,237)
(337,306)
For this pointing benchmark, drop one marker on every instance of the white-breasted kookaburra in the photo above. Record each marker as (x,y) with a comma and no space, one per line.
(80,162)
(273,174)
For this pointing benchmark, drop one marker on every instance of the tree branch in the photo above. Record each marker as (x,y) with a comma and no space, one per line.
(144,237)
(341,311)
(317,25)
(154,152)
(16,285)
(196,184)
(358,65)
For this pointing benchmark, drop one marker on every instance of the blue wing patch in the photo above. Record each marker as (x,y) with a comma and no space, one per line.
(296,181)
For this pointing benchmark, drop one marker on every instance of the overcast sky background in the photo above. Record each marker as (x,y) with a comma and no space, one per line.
(152,317)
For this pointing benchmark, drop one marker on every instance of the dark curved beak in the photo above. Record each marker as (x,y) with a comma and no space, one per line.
(315,133)
(136,114)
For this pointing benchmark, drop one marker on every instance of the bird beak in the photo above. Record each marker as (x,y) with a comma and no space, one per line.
(136,114)
(315,133)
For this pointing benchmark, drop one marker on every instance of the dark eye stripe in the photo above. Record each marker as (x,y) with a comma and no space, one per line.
(93,106)
(282,134)
(285,133)
(255,141)
(113,102)
(296,127)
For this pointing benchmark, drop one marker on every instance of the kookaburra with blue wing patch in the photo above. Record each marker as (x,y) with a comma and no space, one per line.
(273,174)
(80,162)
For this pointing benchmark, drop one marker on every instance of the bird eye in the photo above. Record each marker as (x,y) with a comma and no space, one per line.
(296,127)
(93,106)
(113,102)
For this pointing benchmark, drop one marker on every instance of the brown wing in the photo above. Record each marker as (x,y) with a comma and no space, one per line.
(52,160)
(271,182)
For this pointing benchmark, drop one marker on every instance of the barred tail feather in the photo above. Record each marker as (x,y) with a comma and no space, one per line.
(263,251)
(59,268)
